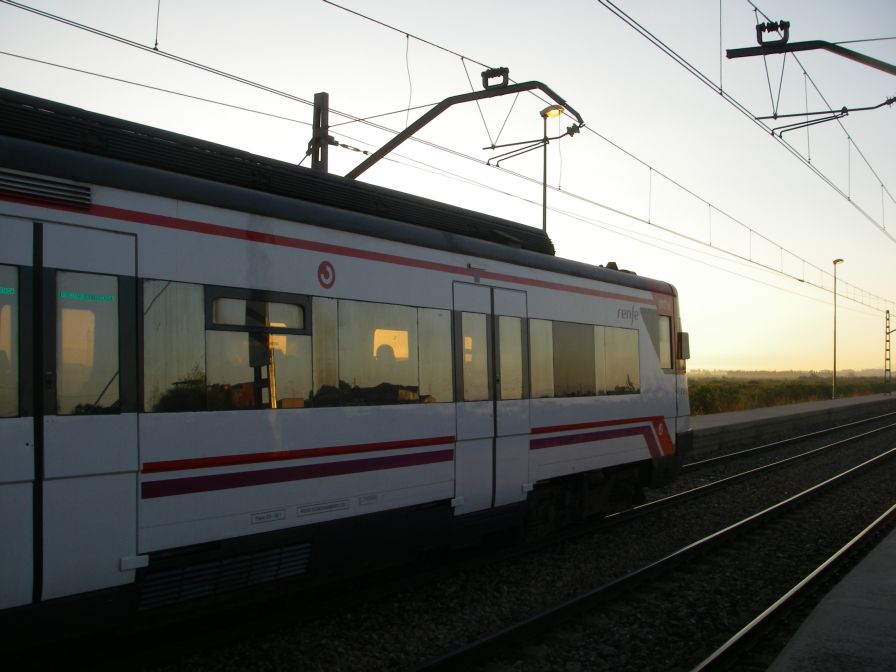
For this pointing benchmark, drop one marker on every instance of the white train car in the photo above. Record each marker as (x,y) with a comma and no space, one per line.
(219,371)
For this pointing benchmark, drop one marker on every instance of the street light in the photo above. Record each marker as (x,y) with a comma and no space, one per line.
(837,262)
(550,112)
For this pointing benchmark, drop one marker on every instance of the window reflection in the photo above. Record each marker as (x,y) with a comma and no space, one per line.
(622,361)
(393,341)
(600,360)
(256,313)
(9,341)
(242,354)
(475,355)
(231,380)
(574,372)
(377,353)
(173,346)
(244,371)
(324,331)
(292,365)
(250,361)
(570,360)
(541,358)
(434,333)
(86,343)
(665,337)
(510,357)
(229,311)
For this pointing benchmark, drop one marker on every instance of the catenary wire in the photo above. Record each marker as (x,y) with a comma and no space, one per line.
(155,88)
(740,108)
(454,152)
(640,237)
(830,108)
(694,71)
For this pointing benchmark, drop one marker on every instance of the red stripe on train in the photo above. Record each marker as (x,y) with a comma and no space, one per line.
(589,425)
(243,479)
(276,456)
(656,435)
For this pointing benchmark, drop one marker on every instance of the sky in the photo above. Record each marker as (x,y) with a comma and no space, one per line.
(668,178)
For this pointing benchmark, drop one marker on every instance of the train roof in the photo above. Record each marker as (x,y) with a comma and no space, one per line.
(46,137)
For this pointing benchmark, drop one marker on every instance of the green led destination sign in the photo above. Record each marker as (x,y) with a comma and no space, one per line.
(8,291)
(79,296)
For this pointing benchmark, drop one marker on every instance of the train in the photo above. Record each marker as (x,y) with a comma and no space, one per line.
(221,372)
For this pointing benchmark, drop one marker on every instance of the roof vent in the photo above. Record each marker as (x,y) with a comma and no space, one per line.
(36,190)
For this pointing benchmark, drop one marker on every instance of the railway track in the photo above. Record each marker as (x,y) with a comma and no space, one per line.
(754,645)
(688,584)
(727,457)
(725,479)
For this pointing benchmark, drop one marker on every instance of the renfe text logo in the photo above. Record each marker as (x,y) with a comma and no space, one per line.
(630,314)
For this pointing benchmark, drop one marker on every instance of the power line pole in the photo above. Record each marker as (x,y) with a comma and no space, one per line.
(887,372)
(320,128)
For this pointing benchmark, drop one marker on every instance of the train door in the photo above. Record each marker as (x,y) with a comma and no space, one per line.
(86,423)
(16,414)
(492,458)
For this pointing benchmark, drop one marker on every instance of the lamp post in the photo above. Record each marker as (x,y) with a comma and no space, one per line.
(837,262)
(550,112)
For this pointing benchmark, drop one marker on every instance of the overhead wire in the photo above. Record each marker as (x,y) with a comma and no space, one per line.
(688,66)
(155,88)
(740,107)
(871,39)
(722,254)
(642,238)
(830,108)
(478,106)
(425,142)
(356,120)
(164,54)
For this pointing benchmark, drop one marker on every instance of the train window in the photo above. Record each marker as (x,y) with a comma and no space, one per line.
(541,358)
(291,370)
(659,330)
(474,332)
(510,357)
(249,313)
(665,338)
(326,367)
(621,361)
(257,370)
(378,356)
(173,347)
(600,360)
(86,343)
(9,341)
(258,354)
(574,370)
(434,332)
(229,311)
(575,360)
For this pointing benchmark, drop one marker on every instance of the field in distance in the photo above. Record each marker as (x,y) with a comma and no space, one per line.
(723,391)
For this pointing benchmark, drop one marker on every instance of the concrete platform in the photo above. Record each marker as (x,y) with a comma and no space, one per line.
(743,429)
(854,627)
(699,422)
